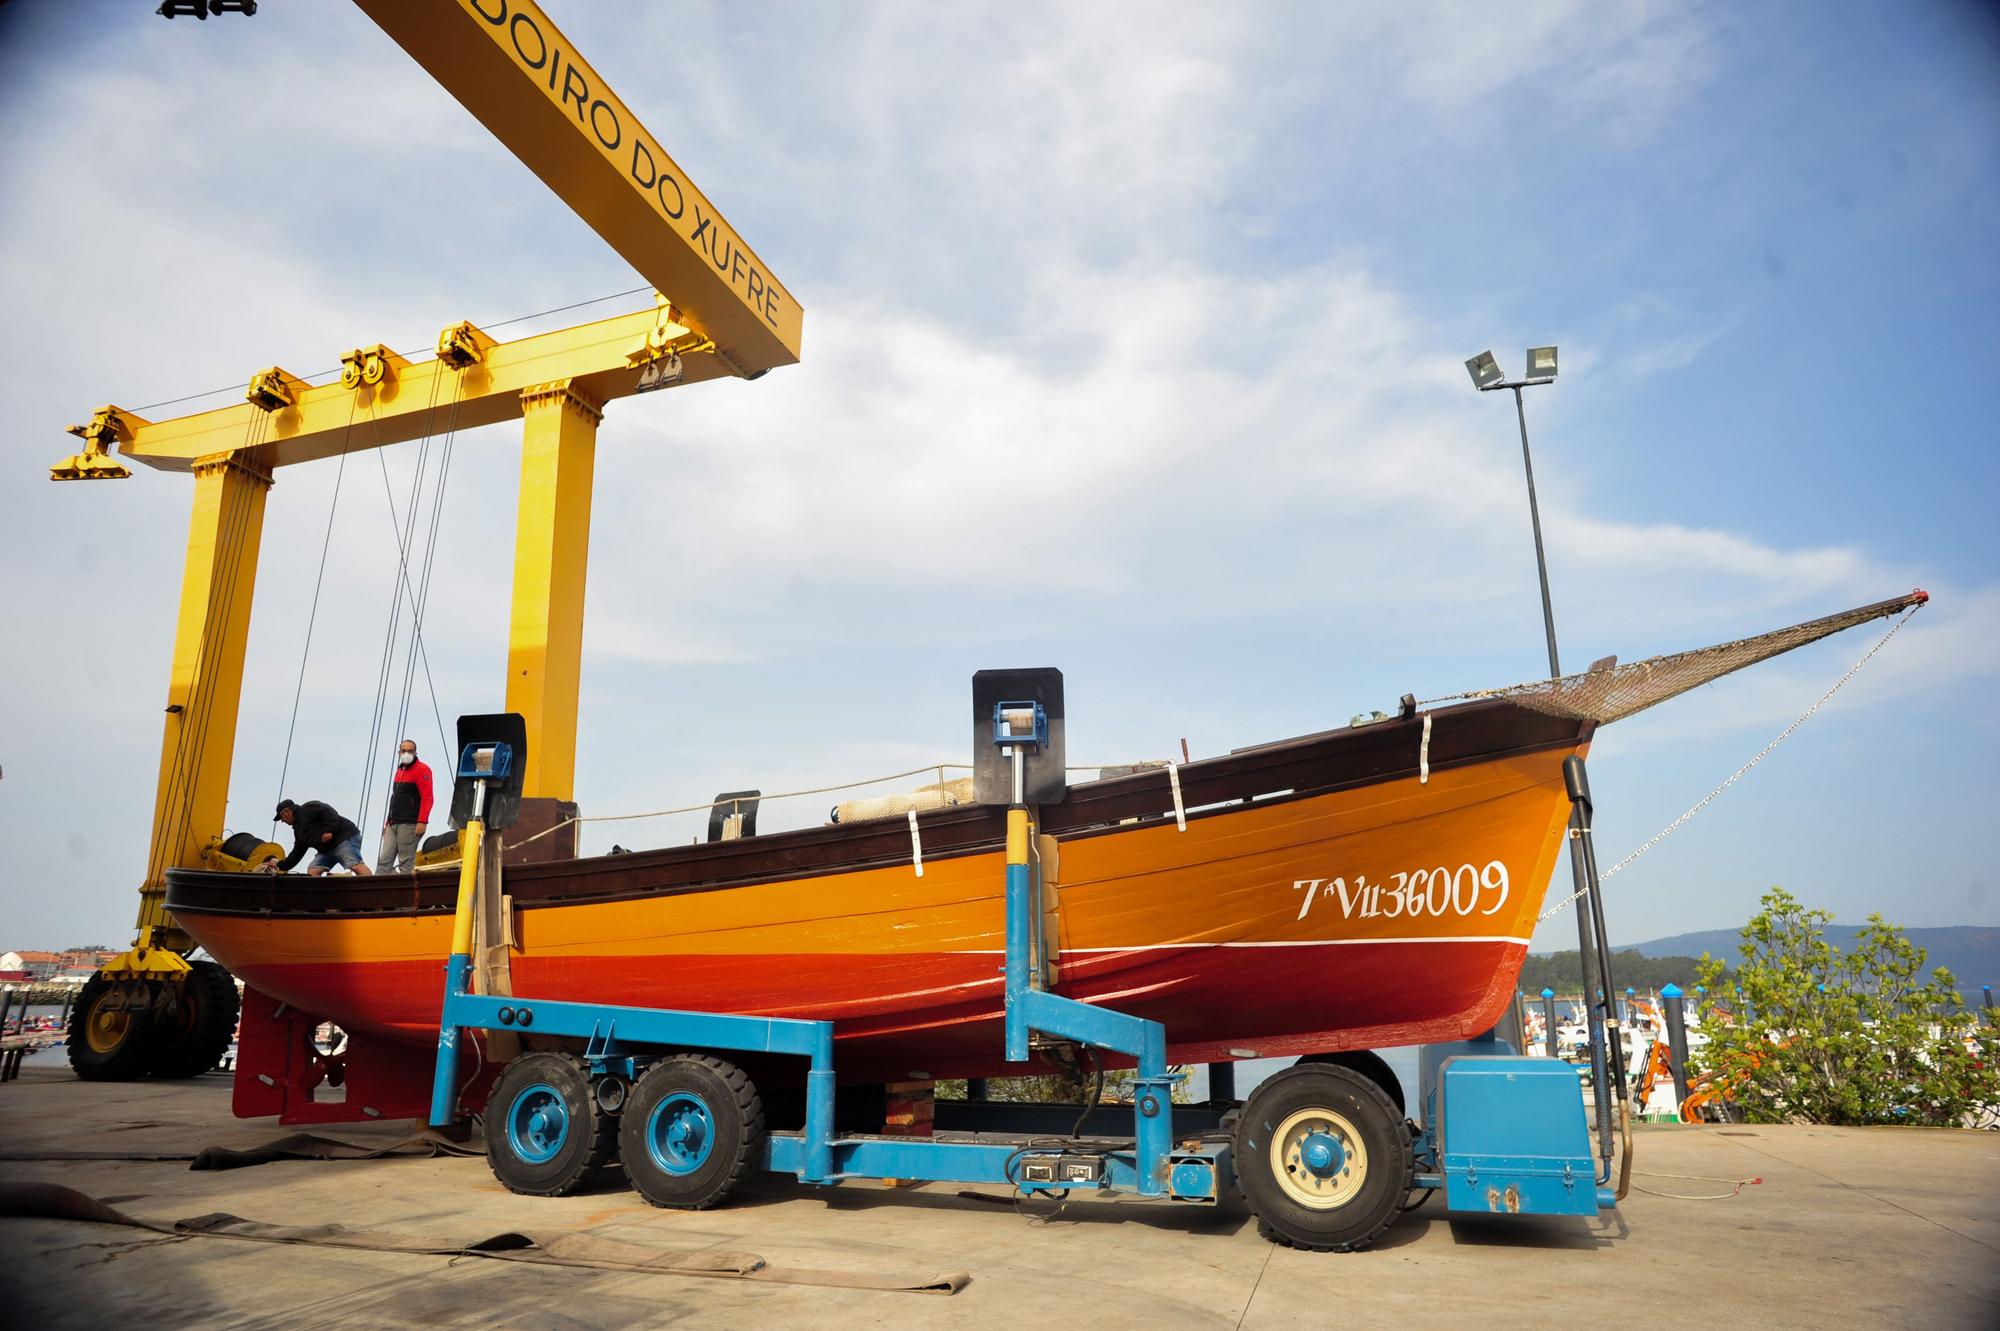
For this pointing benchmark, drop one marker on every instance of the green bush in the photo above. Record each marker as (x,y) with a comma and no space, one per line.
(1817,1035)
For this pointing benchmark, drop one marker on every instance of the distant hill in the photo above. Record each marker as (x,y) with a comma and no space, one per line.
(1970,952)
(1561,971)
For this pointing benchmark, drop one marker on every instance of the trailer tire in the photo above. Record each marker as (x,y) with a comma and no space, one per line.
(1322,1158)
(196,1034)
(111,1029)
(691,1130)
(545,1135)
(1370,1065)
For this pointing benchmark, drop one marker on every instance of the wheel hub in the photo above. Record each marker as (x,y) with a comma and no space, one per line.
(681,1133)
(539,1123)
(1321,1154)
(1318,1159)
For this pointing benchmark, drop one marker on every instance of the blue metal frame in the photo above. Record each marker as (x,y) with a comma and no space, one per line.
(1521,1139)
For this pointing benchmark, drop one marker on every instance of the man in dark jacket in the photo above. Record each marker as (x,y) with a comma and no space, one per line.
(409,812)
(317,827)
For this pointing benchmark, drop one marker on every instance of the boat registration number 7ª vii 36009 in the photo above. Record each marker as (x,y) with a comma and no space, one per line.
(1467,890)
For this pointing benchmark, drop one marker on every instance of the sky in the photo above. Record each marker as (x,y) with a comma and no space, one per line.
(1134,345)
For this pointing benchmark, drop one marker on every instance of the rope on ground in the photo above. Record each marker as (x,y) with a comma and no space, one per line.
(50,1201)
(1737,1186)
(1762,754)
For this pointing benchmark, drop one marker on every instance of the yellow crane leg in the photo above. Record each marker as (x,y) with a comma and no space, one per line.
(151,1011)
(206,685)
(551,547)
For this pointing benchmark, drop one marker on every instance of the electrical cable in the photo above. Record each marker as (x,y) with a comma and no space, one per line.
(320,374)
(1738,1185)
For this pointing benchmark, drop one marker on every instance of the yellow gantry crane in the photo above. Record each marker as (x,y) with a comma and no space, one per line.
(152,1011)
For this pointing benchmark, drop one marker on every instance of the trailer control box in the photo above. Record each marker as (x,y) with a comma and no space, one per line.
(1062,1168)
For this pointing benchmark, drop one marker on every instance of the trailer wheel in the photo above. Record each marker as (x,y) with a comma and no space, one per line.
(1322,1158)
(111,1029)
(544,1132)
(1372,1066)
(691,1129)
(196,1035)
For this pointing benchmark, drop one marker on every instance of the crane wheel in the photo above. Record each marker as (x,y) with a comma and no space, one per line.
(195,1035)
(545,1135)
(691,1129)
(111,1030)
(1323,1158)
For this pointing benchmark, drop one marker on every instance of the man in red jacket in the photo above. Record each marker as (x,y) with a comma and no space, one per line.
(409,812)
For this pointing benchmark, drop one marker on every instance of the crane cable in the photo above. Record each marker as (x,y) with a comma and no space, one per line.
(404,529)
(423,596)
(312,617)
(321,374)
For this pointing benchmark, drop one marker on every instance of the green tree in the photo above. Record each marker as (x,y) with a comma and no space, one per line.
(1824,1036)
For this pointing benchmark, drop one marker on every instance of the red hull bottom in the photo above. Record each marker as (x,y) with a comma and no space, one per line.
(939,1014)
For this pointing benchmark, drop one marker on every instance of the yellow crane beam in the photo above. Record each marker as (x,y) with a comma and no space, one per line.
(296,423)
(557,383)
(510,66)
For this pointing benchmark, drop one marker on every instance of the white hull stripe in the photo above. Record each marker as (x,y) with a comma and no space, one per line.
(1288,942)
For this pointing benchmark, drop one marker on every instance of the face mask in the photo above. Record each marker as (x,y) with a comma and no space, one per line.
(405,759)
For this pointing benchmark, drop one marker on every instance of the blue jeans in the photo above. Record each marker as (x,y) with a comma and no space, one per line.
(346,854)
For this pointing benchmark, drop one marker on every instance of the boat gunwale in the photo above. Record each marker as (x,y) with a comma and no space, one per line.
(1210,787)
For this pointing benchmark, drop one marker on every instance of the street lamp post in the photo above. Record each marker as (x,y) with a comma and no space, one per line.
(1487,376)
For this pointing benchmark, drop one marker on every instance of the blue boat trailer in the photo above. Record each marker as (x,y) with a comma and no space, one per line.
(1320,1152)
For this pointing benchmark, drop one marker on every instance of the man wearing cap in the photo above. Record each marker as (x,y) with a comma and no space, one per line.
(317,827)
(409,812)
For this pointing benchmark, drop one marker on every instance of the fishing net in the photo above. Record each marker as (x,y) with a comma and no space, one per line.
(1619,691)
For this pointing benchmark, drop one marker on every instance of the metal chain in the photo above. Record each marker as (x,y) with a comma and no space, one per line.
(1762,754)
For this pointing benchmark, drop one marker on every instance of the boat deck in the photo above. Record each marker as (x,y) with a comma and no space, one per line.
(1850,1227)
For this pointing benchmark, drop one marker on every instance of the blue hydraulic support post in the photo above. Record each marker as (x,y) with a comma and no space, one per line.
(478,764)
(819,1108)
(1030,1007)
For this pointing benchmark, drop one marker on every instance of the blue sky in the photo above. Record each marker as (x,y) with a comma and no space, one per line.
(1199,284)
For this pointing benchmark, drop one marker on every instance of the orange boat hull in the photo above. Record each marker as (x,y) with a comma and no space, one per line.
(1393,912)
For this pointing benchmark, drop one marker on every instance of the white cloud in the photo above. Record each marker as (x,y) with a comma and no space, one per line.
(1062,384)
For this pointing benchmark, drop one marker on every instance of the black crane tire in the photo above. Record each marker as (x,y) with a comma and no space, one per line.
(196,1034)
(111,1029)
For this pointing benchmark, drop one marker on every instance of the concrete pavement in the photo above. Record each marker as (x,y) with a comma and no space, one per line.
(1851,1227)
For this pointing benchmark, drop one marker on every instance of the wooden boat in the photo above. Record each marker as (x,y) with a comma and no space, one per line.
(1326,894)
(1368,886)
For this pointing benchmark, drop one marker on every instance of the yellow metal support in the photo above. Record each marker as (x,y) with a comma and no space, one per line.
(477,382)
(207,678)
(551,548)
(512,68)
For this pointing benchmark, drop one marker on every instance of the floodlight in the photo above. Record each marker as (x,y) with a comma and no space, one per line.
(1541,362)
(1485,371)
